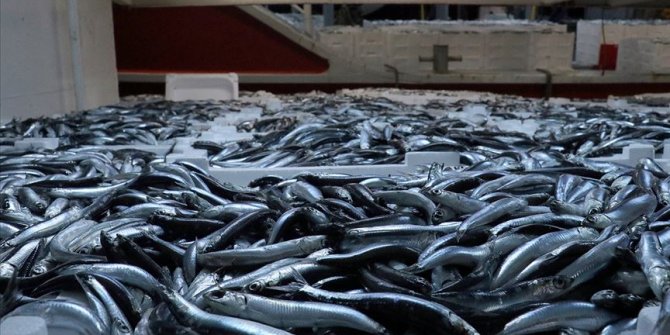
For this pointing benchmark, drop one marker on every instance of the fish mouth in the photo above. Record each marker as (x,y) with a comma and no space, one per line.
(216,295)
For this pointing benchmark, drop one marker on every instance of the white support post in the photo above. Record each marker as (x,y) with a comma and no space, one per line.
(307,15)
(77,60)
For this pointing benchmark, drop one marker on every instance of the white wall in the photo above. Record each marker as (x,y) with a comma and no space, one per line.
(36,69)
(589,36)
(99,59)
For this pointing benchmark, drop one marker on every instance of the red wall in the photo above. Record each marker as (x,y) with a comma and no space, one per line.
(204,39)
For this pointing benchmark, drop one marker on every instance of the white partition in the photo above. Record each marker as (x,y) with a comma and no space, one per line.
(36,64)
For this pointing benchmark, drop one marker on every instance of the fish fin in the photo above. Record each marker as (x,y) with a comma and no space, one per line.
(414,268)
(291,288)
(27,266)
(294,287)
(299,277)
(10,297)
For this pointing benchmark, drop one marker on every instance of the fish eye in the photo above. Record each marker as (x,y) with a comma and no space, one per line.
(255,286)
(560,282)
(435,191)
(217,294)
(121,326)
(438,213)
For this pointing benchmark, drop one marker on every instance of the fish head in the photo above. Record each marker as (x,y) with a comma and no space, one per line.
(597,220)
(596,209)
(255,286)
(40,267)
(40,205)
(226,301)
(629,299)
(434,192)
(121,326)
(6,270)
(559,283)
(441,214)
(605,298)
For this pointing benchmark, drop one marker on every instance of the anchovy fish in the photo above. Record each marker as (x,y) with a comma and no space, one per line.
(528,234)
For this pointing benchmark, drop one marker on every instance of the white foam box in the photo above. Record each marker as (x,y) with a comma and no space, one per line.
(224,134)
(188,154)
(199,126)
(413,160)
(159,150)
(29,143)
(180,87)
(632,154)
(234,118)
(644,55)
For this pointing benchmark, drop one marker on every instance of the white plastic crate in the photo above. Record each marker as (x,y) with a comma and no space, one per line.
(412,161)
(233,119)
(180,87)
(245,175)
(159,150)
(632,154)
(30,143)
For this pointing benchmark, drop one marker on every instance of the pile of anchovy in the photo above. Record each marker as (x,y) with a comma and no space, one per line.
(371,132)
(317,130)
(525,238)
(151,123)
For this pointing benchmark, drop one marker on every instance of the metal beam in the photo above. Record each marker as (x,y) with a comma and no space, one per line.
(185,3)
(623,3)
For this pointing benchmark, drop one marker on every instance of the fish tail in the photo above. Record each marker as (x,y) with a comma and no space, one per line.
(10,297)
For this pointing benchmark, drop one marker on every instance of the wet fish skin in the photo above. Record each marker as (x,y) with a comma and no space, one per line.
(44,228)
(266,254)
(490,213)
(518,259)
(32,200)
(589,264)
(190,315)
(503,165)
(455,201)
(282,313)
(577,314)
(508,300)
(654,265)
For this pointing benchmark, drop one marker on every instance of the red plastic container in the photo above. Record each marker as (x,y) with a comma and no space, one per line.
(608,56)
